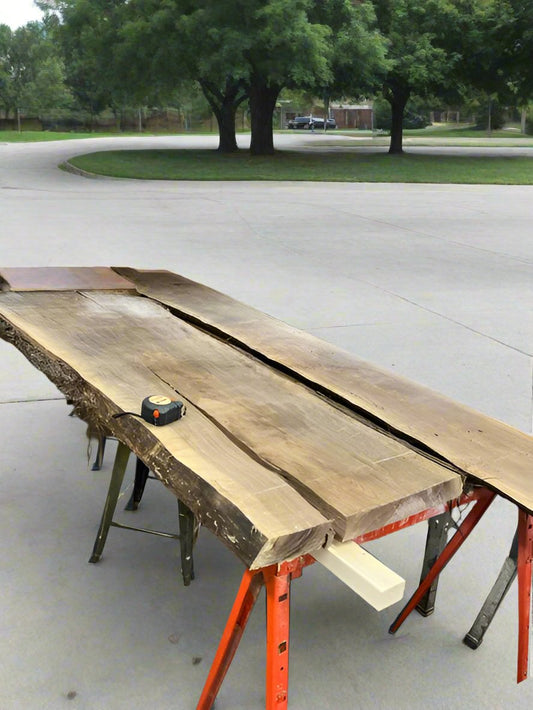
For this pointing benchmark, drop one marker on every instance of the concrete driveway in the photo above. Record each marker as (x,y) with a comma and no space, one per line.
(434,282)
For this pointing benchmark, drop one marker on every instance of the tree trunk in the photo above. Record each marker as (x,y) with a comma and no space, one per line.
(116,116)
(225,115)
(262,104)
(224,104)
(397,100)
(122,119)
(326,111)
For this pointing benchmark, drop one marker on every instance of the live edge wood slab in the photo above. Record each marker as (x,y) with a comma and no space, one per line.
(486,450)
(287,441)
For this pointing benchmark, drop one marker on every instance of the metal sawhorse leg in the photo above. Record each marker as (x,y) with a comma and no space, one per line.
(141,474)
(495,597)
(188,527)
(97,465)
(277,581)
(436,540)
(438,528)
(524,570)
(519,563)
(446,555)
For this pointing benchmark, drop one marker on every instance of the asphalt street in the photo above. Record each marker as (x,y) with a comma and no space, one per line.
(434,282)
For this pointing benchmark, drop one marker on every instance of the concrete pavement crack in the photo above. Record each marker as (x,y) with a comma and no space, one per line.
(435,313)
(426,235)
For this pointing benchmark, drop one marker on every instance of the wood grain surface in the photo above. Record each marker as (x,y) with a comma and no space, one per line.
(485,449)
(128,347)
(100,358)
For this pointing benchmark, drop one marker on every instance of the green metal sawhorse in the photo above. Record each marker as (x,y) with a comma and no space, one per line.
(188,527)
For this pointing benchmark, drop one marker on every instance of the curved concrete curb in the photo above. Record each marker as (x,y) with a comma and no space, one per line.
(69,168)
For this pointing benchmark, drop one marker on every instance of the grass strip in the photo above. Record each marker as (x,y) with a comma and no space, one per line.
(41,136)
(309,166)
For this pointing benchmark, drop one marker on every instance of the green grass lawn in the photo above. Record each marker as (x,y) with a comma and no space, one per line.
(435,133)
(465,131)
(38,136)
(313,166)
(445,134)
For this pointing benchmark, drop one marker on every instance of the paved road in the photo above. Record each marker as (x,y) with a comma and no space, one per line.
(432,281)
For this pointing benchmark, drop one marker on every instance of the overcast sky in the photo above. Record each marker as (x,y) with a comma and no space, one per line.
(17,12)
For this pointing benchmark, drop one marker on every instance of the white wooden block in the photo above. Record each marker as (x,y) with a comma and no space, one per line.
(368,577)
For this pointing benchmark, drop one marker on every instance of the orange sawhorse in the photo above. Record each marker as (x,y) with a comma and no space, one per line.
(277,580)
(524,567)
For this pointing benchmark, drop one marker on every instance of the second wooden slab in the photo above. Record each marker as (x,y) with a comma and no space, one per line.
(489,451)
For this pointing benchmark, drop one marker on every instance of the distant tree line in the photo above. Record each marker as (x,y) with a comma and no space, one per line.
(118,54)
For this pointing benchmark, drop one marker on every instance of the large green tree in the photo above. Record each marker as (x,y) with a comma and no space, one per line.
(256,48)
(506,49)
(493,41)
(420,56)
(87,31)
(31,70)
(358,64)
(168,44)
(237,50)
(284,48)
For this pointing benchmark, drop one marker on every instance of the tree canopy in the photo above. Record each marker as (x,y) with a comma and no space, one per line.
(87,31)
(138,52)
(236,50)
(509,24)
(31,70)
(420,58)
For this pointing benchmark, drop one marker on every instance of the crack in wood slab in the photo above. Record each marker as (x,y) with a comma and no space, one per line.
(486,450)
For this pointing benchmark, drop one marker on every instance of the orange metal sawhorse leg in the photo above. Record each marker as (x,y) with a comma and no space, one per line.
(277,581)
(525,558)
(474,516)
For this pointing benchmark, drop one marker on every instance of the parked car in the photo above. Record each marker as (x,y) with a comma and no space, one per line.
(307,122)
(319,123)
(299,122)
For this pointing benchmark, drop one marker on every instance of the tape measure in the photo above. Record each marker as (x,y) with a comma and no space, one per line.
(160,410)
